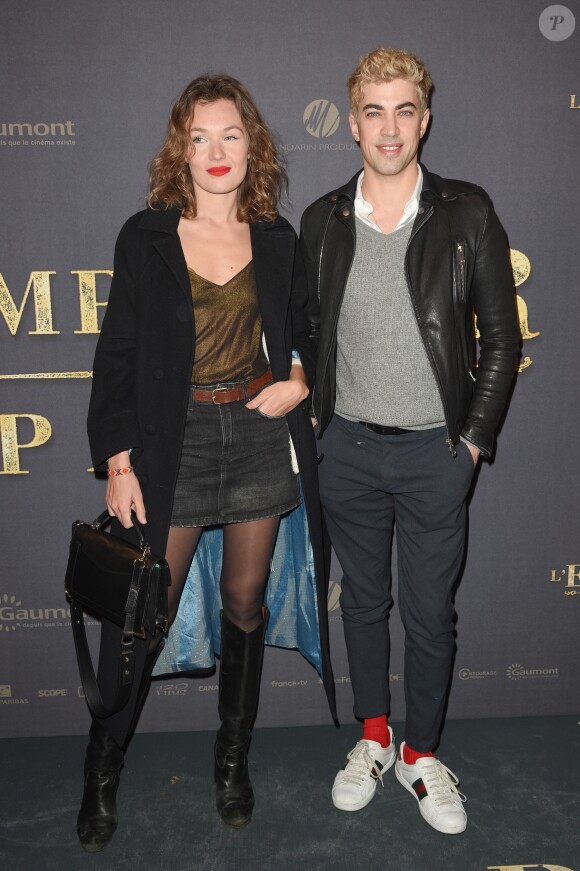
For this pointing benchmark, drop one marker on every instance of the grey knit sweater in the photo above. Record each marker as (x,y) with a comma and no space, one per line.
(383,374)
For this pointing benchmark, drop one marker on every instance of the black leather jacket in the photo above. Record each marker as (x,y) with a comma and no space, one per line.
(456,261)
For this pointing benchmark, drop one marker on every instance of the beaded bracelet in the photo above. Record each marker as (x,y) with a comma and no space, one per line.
(113,473)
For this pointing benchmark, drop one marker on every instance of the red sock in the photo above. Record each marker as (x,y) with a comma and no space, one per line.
(375,729)
(410,756)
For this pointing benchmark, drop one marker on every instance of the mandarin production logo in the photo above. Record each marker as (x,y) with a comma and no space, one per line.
(557,23)
(521,268)
(518,672)
(13,616)
(25,133)
(321,118)
(333,596)
(570,574)
(333,602)
(470,674)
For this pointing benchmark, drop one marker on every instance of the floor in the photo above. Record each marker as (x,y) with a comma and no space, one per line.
(520,776)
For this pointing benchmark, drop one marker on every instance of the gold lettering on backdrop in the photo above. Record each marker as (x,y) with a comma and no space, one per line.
(573,575)
(46,375)
(88,298)
(40,284)
(573,103)
(11,447)
(527,867)
(55,128)
(521,268)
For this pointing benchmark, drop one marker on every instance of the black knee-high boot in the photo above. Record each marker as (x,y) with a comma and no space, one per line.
(97,818)
(239,689)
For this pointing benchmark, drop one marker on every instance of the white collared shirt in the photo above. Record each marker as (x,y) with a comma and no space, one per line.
(363,209)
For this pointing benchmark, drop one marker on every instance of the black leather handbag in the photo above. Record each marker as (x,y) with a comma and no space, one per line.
(112,578)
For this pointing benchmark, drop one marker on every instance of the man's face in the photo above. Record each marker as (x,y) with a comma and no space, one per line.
(389,126)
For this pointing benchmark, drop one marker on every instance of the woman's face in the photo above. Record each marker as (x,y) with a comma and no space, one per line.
(218,157)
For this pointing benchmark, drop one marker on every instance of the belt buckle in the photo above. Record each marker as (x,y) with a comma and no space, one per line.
(217,390)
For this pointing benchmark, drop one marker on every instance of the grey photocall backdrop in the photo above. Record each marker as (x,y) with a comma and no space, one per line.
(86,91)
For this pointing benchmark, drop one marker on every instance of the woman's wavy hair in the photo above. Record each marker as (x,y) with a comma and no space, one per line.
(170,182)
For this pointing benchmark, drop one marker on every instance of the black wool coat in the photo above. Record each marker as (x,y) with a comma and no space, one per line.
(144,358)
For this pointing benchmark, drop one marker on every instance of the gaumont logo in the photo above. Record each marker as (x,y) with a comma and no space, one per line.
(321,118)
(14,616)
(172,689)
(44,133)
(518,672)
(470,674)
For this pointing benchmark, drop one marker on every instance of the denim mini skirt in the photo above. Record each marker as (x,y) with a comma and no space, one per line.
(235,466)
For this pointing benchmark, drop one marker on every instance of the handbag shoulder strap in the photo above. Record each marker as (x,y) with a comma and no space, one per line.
(87,671)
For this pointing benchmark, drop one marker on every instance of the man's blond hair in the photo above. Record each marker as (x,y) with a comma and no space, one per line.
(384,65)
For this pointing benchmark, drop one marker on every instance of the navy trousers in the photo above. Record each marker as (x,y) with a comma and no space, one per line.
(372,485)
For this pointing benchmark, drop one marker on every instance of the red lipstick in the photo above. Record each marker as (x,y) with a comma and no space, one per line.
(219,170)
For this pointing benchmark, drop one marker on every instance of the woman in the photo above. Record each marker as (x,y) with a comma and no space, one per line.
(192,419)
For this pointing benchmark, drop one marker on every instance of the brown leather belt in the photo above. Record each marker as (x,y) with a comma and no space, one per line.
(385,430)
(223,393)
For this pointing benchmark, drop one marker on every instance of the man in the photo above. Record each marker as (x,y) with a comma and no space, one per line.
(398,258)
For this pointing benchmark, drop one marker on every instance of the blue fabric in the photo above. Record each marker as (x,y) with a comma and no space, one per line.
(194,637)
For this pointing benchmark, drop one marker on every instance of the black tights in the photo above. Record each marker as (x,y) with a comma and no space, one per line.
(247,550)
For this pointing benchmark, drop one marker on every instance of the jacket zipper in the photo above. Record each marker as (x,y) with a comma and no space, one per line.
(459,276)
(324,232)
(448,440)
(335,324)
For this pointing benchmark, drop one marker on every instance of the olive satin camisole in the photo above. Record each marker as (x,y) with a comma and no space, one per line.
(228,329)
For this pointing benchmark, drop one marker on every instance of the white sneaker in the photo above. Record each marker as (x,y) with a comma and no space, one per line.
(435,788)
(356,783)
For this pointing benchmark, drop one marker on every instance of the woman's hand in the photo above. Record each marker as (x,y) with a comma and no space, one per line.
(282,396)
(124,493)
